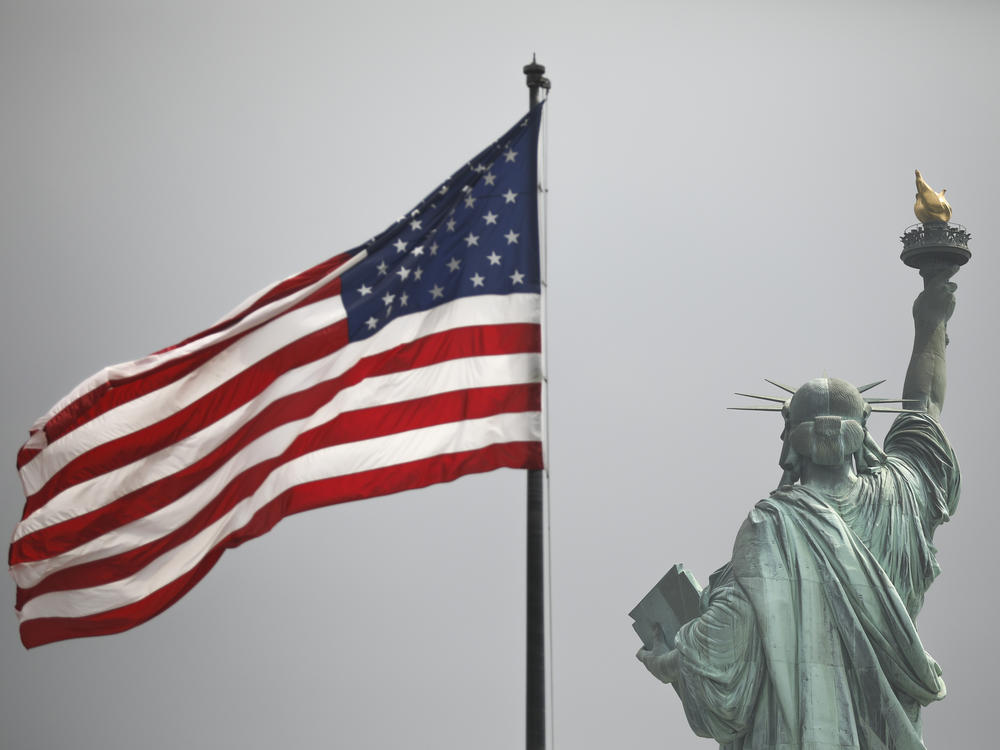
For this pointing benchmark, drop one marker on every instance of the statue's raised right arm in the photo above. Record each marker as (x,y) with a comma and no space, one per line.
(926,378)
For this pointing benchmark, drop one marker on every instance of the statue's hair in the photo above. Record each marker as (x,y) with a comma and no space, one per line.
(826,422)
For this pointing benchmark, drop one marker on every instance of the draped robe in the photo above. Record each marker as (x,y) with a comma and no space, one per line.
(806,640)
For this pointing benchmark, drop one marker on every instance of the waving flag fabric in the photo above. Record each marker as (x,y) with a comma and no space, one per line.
(412,359)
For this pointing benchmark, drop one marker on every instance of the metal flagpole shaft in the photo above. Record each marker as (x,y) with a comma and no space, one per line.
(535,653)
(535,723)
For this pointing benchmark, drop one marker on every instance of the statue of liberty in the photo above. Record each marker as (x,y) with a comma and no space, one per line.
(806,637)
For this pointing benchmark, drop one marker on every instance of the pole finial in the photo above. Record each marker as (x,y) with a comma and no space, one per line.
(535,78)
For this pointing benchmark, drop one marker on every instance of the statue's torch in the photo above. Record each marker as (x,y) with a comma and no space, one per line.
(935,245)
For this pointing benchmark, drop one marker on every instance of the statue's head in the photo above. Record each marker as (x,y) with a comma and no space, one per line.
(825,422)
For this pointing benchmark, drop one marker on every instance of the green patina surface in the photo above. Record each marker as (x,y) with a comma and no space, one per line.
(806,638)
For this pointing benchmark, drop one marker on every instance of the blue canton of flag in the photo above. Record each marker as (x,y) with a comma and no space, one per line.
(475,234)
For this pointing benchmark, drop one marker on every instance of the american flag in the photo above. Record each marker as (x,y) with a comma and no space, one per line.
(412,359)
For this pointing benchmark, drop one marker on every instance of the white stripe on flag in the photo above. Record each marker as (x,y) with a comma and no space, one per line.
(161,403)
(149,409)
(152,361)
(339,460)
(445,377)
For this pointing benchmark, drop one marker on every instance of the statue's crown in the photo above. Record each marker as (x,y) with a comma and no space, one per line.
(822,397)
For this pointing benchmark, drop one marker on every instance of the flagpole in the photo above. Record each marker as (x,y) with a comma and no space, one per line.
(535,704)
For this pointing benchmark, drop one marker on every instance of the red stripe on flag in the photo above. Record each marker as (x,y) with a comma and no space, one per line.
(107,396)
(112,394)
(25,454)
(438,347)
(278,291)
(346,428)
(445,468)
(194,417)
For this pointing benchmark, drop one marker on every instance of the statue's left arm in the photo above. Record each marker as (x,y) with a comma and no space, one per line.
(717,667)
(661,660)
(926,376)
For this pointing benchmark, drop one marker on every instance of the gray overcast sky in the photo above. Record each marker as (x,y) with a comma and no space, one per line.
(728,185)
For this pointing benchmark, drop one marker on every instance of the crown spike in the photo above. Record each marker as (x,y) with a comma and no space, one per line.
(785,388)
(899,411)
(892,400)
(754,408)
(762,398)
(864,388)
